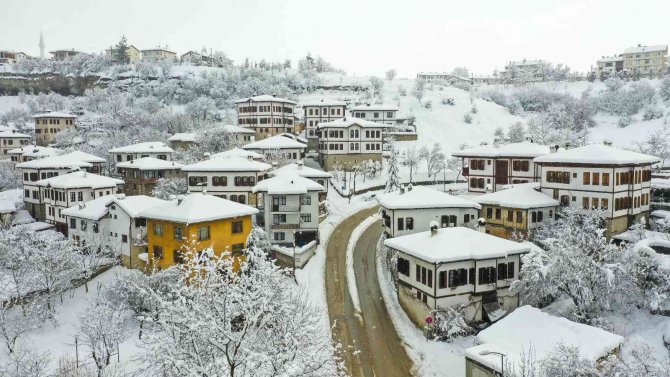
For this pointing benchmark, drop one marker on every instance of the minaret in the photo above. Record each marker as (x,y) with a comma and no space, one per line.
(41,45)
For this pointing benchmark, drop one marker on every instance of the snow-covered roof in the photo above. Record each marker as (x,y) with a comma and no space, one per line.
(423,197)
(35,151)
(233,129)
(301,170)
(135,204)
(148,147)
(323,102)
(606,59)
(350,121)
(92,210)
(597,154)
(38,226)
(524,149)
(529,328)
(660,183)
(196,208)
(375,107)
(265,98)
(238,152)
(523,197)
(633,50)
(79,179)
(526,62)
(21,217)
(228,164)
(54,162)
(7,206)
(55,114)
(455,244)
(287,184)
(183,136)
(149,163)
(275,142)
(7,134)
(83,156)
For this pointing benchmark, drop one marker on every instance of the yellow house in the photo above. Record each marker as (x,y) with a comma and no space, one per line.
(519,209)
(196,222)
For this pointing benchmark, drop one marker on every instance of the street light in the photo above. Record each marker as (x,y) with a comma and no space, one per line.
(502,359)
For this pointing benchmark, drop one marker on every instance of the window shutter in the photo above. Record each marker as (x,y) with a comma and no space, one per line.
(510,270)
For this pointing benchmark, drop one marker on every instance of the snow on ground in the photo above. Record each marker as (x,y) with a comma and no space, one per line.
(351,275)
(9,102)
(430,358)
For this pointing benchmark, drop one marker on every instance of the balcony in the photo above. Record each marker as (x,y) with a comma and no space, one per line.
(276,208)
(284,226)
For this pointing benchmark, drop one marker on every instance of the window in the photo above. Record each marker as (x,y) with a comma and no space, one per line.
(595,179)
(409,223)
(73,223)
(178,256)
(595,203)
(178,233)
(498,213)
(458,277)
(519,217)
(158,229)
(489,212)
(606,179)
(540,215)
(219,181)
(587,178)
(487,275)
(502,271)
(96,227)
(533,217)
(279,236)
(158,252)
(306,217)
(401,224)
(510,270)
(305,199)
(403,266)
(84,225)
(466,218)
(510,215)
(237,227)
(203,233)
(72,196)
(124,238)
(195,180)
(471,276)
(585,203)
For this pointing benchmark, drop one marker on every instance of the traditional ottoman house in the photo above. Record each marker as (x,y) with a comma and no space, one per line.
(452,267)
(412,209)
(142,174)
(182,140)
(31,152)
(349,141)
(518,210)
(490,167)
(48,125)
(278,147)
(600,177)
(319,176)
(64,191)
(322,111)
(239,152)
(97,163)
(289,209)
(386,114)
(156,149)
(229,178)
(195,222)
(267,115)
(10,140)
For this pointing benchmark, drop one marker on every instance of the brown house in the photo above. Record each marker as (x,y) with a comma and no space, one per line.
(142,174)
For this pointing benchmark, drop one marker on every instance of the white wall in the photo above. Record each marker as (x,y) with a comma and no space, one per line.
(422,218)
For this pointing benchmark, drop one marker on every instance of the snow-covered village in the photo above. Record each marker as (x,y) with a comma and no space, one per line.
(225,188)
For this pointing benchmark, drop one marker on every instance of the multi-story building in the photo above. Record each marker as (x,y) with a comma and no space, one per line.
(289,209)
(608,66)
(646,60)
(11,140)
(456,267)
(156,149)
(114,222)
(158,54)
(386,114)
(524,71)
(490,167)
(31,152)
(193,223)
(35,170)
(64,191)
(229,178)
(298,168)
(48,125)
(412,209)
(133,53)
(142,174)
(267,115)
(97,163)
(12,57)
(61,55)
(600,177)
(320,112)
(443,77)
(350,141)
(516,211)
(282,147)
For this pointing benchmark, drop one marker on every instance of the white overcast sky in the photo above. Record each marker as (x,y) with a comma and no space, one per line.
(363,37)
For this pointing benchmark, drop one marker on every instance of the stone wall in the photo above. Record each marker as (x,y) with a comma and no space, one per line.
(347,160)
(11,84)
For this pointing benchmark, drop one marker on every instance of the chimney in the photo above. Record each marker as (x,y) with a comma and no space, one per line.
(409,187)
(402,189)
(300,164)
(180,198)
(120,196)
(274,165)
(554,149)
(607,143)
(433,228)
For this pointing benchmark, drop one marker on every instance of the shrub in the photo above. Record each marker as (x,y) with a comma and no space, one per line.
(467,118)
(664,88)
(449,323)
(625,121)
(428,104)
(652,112)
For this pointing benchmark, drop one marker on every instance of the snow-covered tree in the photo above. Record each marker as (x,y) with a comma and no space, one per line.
(167,187)
(516,133)
(412,161)
(449,323)
(499,134)
(120,52)
(201,108)
(664,88)
(460,72)
(566,361)
(657,144)
(419,89)
(393,173)
(10,178)
(435,161)
(390,74)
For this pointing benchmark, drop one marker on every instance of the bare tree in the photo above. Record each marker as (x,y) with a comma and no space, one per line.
(412,161)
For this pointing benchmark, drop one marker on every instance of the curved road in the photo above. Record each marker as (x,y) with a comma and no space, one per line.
(371,346)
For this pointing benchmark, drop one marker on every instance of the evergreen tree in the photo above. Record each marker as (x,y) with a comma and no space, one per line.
(120,53)
(393,179)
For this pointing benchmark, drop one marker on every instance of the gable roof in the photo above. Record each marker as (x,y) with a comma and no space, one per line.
(83,156)
(13,134)
(237,152)
(54,162)
(183,136)
(420,197)
(55,114)
(35,151)
(275,142)
(372,107)
(347,122)
(301,170)
(79,179)
(597,154)
(265,98)
(632,50)
(524,149)
(149,163)
(523,197)
(323,102)
(455,244)
(135,204)
(287,184)
(228,164)
(92,210)
(196,208)
(148,147)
